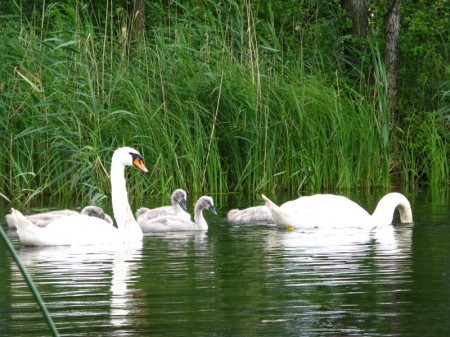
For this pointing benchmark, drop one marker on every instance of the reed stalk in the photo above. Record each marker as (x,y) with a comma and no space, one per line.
(215,99)
(42,307)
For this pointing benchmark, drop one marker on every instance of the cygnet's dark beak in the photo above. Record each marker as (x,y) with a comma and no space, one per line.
(183,204)
(212,209)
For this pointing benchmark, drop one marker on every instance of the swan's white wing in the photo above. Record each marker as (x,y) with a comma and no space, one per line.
(326,210)
(82,229)
(76,229)
(42,219)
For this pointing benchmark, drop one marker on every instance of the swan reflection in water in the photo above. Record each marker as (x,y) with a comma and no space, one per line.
(342,275)
(94,288)
(349,243)
(181,239)
(82,283)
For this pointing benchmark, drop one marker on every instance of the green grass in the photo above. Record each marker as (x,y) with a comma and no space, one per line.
(210,104)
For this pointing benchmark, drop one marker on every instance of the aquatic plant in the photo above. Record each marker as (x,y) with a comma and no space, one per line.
(214,99)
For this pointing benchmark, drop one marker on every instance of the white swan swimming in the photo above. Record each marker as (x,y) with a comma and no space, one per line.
(173,223)
(334,211)
(178,200)
(82,229)
(43,219)
(255,213)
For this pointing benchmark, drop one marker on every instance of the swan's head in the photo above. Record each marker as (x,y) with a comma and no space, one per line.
(93,211)
(128,156)
(206,202)
(179,196)
(97,212)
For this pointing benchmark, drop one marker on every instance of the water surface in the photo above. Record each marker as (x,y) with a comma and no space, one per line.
(243,280)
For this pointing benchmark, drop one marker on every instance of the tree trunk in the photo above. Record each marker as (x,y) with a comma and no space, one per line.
(137,12)
(392,36)
(358,12)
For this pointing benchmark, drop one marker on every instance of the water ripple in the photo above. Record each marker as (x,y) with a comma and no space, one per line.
(234,281)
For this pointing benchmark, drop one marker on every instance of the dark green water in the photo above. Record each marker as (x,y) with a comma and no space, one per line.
(243,280)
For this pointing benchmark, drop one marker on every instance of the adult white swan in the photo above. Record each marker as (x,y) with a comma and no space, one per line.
(173,223)
(335,211)
(43,219)
(81,229)
(178,201)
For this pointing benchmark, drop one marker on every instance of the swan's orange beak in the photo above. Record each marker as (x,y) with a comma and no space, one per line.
(139,163)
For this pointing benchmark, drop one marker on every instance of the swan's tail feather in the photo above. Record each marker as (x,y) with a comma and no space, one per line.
(269,203)
(277,214)
(21,222)
(11,221)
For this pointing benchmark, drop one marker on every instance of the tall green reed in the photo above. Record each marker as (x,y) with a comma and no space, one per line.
(424,152)
(211,105)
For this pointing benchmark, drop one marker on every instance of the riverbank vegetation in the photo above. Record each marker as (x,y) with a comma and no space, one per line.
(218,97)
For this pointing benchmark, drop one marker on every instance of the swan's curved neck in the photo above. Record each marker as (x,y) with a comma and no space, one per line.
(179,210)
(176,206)
(384,213)
(121,207)
(199,219)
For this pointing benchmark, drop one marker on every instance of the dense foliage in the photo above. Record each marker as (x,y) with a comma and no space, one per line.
(218,96)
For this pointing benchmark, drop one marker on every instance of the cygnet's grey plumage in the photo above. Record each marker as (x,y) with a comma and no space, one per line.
(97,212)
(171,223)
(178,201)
(251,214)
(43,219)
